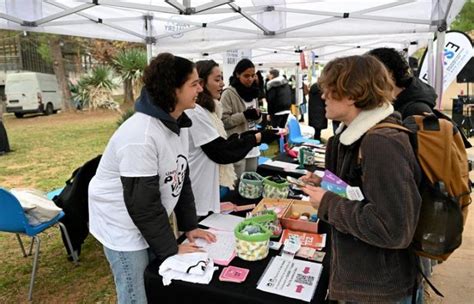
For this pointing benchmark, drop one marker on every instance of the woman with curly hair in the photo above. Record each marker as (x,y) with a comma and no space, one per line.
(143,176)
(211,153)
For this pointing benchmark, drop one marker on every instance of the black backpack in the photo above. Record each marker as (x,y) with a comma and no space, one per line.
(73,199)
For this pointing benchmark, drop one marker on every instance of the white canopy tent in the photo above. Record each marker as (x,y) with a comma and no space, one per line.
(273,29)
(203,26)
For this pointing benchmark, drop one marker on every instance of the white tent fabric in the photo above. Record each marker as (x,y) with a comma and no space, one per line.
(272,28)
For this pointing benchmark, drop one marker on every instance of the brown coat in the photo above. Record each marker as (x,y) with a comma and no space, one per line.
(369,259)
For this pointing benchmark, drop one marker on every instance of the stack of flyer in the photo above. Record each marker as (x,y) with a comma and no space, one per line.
(311,244)
(333,183)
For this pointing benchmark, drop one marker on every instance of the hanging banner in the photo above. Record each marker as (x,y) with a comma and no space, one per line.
(303,61)
(457,52)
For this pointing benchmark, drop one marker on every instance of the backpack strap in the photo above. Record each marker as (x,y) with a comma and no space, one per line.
(380,126)
(389,125)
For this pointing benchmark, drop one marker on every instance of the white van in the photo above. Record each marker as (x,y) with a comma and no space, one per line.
(31,92)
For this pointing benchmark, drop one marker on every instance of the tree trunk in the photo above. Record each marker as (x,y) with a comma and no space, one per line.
(127,91)
(59,70)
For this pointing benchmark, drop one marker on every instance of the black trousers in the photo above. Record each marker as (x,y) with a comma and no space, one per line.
(279,121)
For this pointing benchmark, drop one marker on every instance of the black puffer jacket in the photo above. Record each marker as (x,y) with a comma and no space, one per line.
(317,109)
(415,99)
(278,95)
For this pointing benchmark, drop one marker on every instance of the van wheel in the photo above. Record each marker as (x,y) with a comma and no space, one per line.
(19,115)
(49,109)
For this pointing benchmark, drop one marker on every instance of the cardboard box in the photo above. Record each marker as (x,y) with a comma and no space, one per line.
(300,225)
(279,205)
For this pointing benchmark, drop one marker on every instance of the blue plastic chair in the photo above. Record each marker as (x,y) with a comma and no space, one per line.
(294,134)
(13,219)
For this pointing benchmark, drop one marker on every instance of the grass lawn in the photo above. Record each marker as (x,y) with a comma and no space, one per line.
(47,149)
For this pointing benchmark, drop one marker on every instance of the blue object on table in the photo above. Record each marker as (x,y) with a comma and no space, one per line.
(262,160)
(281,143)
(223,191)
(263,147)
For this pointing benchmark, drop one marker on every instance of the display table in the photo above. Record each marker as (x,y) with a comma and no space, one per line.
(224,292)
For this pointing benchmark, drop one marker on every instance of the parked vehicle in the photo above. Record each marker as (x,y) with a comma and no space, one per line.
(31,92)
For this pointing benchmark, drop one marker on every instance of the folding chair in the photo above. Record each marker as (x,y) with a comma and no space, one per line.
(294,133)
(13,219)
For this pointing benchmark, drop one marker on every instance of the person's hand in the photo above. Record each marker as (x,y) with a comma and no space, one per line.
(268,136)
(252,114)
(200,234)
(311,178)
(315,194)
(188,248)
(249,132)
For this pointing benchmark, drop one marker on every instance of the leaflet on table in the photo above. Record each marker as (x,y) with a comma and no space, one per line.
(223,250)
(333,183)
(307,239)
(226,222)
(295,279)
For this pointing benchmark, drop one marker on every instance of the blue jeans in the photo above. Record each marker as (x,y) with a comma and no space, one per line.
(128,268)
(405,300)
(409,299)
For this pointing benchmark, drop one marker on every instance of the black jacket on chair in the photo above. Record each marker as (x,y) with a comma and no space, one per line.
(75,204)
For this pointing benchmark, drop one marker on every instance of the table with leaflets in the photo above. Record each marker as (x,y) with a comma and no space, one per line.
(227,292)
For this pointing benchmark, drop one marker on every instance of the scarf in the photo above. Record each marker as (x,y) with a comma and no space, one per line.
(247,94)
(226,172)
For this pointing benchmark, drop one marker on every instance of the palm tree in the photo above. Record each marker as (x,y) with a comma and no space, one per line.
(130,65)
(95,89)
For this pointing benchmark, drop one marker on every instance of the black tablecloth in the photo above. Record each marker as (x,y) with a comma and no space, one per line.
(224,292)
(266,170)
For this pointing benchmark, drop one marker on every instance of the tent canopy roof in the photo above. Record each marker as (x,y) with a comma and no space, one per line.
(273,28)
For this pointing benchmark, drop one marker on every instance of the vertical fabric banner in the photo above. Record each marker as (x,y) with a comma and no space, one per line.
(456,54)
(303,61)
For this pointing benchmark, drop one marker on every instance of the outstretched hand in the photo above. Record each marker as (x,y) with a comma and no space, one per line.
(200,234)
(315,194)
(312,179)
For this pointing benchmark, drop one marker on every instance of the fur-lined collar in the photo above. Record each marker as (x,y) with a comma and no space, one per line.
(362,123)
(276,82)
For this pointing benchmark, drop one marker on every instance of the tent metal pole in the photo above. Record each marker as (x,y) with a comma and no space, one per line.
(430,59)
(64,13)
(11,18)
(438,83)
(149,37)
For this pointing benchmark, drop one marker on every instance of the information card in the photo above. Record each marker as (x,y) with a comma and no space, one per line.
(291,278)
